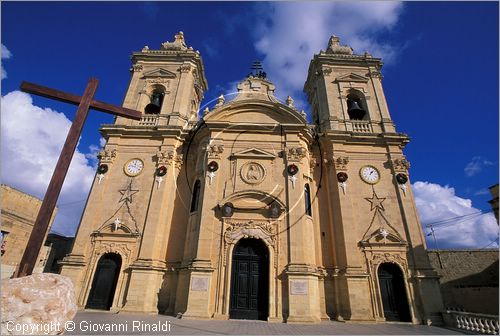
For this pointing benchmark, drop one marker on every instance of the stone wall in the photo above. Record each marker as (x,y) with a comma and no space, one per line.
(469,279)
(19,211)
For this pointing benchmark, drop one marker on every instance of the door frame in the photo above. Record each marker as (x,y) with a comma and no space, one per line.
(116,279)
(264,261)
(409,298)
(226,271)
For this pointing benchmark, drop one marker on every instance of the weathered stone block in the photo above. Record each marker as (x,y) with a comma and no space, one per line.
(37,304)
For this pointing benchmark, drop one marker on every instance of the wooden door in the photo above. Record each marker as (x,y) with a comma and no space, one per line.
(393,293)
(249,281)
(104,284)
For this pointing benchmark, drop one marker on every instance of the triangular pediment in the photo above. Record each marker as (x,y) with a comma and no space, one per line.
(160,72)
(254,153)
(351,77)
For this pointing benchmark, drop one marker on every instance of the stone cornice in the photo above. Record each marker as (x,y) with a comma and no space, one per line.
(107,130)
(399,139)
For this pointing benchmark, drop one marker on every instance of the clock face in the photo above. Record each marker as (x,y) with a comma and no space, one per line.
(133,167)
(369,174)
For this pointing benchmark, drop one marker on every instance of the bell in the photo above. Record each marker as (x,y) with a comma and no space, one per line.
(156,99)
(155,106)
(355,111)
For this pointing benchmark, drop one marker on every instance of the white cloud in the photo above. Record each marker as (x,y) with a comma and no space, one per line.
(476,165)
(289,33)
(93,151)
(436,204)
(32,138)
(5,55)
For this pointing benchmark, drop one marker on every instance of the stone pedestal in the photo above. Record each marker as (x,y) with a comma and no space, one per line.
(303,295)
(198,300)
(145,281)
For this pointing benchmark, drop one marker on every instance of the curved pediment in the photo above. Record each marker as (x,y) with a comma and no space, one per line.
(256,112)
(251,200)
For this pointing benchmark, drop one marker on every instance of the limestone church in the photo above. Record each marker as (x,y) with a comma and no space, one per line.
(249,211)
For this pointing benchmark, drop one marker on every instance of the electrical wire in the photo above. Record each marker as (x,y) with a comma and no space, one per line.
(69,203)
(454,218)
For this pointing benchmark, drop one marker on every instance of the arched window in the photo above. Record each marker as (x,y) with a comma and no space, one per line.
(196,196)
(156,100)
(356,105)
(307,198)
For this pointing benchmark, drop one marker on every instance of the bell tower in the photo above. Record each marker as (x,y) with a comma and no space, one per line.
(345,91)
(130,210)
(372,218)
(166,84)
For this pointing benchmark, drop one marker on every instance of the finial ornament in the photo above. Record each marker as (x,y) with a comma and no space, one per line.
(334,47)
(178,44)
(220,101)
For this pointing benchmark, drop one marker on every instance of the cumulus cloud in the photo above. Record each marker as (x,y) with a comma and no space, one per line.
(5,55)
(457,224)
(476,165)
(32,138)
(288,34)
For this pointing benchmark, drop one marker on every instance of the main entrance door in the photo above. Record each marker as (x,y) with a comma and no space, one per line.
(392,290)
(250,280)
(104,284)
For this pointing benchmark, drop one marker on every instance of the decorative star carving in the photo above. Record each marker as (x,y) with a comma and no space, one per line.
(127,193)
(376,202)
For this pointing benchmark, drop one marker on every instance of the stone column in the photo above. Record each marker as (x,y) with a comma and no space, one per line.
(150,266)
(424,279)
(200,268)
(351,282)
(75,264)
(303,287)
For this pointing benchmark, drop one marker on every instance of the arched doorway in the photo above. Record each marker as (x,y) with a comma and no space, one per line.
(104,284)
(393,293)
(250,280)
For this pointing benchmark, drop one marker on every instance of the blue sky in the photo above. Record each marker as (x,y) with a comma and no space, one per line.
(440,80)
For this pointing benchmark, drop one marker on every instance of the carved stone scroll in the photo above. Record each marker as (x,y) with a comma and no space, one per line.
(106,155)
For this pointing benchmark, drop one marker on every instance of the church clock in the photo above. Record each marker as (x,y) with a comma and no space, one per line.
(369,174)
(133,167)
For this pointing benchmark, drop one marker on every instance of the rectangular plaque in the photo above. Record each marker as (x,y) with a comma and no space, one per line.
(299,287)
(199,284)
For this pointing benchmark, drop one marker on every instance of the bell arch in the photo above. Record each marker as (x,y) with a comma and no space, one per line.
(156,94)
(356,105)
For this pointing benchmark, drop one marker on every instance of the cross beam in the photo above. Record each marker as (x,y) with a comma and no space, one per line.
(84,103)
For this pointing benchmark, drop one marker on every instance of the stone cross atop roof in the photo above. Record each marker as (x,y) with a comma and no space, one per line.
(334,47)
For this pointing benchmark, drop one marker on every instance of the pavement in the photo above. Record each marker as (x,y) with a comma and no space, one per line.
(106,323)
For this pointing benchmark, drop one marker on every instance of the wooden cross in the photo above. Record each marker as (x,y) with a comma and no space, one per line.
(84,103)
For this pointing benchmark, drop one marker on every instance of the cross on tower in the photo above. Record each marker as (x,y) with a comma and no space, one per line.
(258,70)
(84,103)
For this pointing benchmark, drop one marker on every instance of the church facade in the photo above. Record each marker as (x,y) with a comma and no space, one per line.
(249,211)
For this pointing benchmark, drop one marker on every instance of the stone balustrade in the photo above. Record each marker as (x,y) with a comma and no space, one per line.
(149,120)
(361,126)
(472,322)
